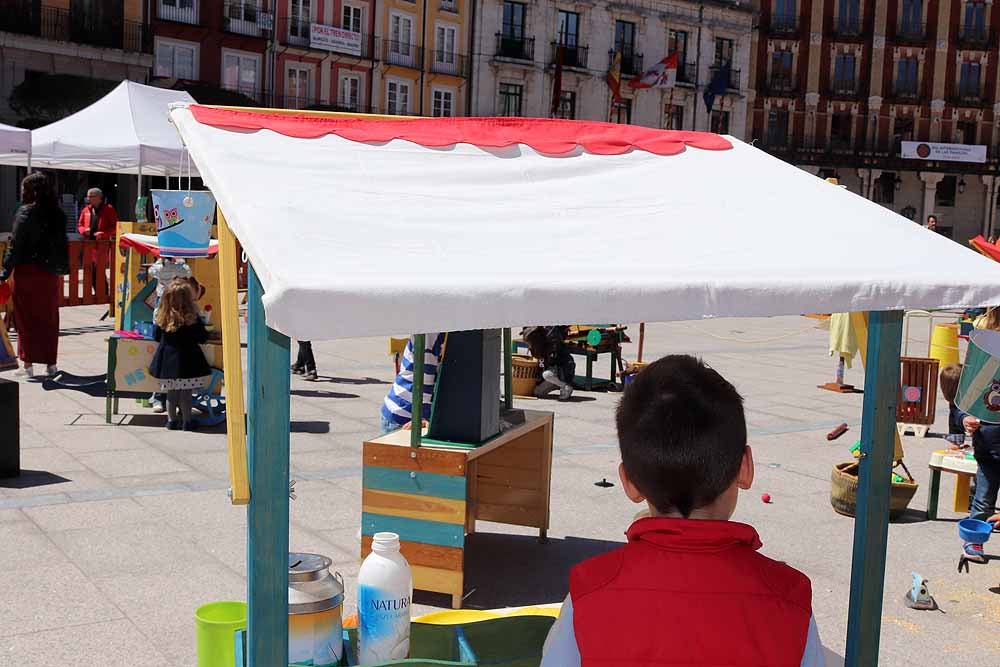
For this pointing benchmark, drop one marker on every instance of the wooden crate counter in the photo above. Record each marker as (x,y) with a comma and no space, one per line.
(432,495)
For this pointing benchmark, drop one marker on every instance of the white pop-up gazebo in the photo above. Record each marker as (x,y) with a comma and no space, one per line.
(127,131)
(15,145)
(451,224)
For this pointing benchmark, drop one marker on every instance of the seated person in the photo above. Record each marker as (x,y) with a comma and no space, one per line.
(689,587)
(558,368)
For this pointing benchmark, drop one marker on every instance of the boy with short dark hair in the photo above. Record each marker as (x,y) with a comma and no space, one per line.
(689,586)
(950,376)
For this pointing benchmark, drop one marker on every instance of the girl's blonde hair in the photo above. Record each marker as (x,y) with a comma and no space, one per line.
(992,319)
(177,306)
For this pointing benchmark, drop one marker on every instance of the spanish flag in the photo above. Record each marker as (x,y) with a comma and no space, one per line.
(615,78)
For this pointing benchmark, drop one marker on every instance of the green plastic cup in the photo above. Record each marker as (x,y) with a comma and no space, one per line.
(216,624)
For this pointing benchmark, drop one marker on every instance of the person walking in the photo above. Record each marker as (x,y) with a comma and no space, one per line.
(305,362)
(37,258)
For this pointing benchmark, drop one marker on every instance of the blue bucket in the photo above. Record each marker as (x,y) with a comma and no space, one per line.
(183,221)
(974,530)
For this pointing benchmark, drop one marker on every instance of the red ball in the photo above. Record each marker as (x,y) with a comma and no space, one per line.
(766,497)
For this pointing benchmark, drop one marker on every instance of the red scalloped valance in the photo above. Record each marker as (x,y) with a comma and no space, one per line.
(545,135)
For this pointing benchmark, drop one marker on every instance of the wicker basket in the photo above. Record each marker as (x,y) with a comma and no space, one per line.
(527,374)
(844,491)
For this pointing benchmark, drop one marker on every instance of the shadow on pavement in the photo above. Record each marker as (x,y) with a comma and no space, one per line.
(316,427)
(32,478)
(538,572)
(319,393)
(92,385)
(354,380)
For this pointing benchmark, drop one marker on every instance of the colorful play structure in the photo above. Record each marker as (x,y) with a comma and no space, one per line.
(511,180)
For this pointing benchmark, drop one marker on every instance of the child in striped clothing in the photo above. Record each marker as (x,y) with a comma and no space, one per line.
(397,409)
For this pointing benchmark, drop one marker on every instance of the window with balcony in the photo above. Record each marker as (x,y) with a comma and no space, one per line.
(902,130)
(511,95)
(349,94)
(911,19)
(568,38)
(720,121)
(443,103)
(241,72)
(444,48)
(243,17)
(180,11)
(566,108)
(973,30)
(844,69)
(298,86)
(782,74)
(625,44)
(673,117)
(176,59)
(906,77)
(784,18)
(841,131)
(969,78)
(352,18)
(512,40)
(299,19)
(723,51)
(777,128)
(397,98)
(677,42)
(621,112)
(849,18)
(401,50)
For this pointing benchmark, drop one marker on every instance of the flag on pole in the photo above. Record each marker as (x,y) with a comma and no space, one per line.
(661,75)
(717,86)
(557,82)
(615,78)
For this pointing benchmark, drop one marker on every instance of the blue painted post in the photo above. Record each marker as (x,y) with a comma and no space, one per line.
(267,514)
(871,525)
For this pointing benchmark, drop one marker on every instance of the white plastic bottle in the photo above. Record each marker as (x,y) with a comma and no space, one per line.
(385,587)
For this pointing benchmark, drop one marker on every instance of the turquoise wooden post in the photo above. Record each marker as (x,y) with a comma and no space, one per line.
(871,525)
(267,514)
(417,391)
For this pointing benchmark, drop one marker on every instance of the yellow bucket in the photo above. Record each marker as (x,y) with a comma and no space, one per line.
(944,344)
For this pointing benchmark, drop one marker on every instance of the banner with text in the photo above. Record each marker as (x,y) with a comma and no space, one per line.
(328,38)
(924,150)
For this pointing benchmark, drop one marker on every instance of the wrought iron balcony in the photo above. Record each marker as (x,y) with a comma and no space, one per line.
(781,85)
(734,76)
(847,28)
(911,32)
(449,5)
(784,25)
(403,54)
(968,97)
(572,56)
(449,62)
(515,48)
(906,91)
(244,17)
(77,26)
(687,73)
(974,37)
(631,62)
(844,88)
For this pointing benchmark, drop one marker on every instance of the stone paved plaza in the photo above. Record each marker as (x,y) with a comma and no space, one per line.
(115,534)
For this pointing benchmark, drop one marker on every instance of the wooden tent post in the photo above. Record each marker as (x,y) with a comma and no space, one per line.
(417,393)
(871,525)
(267,513)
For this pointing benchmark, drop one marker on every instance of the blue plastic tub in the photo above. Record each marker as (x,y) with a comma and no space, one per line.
(974,530)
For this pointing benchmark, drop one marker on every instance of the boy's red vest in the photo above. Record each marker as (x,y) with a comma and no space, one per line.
(689,592)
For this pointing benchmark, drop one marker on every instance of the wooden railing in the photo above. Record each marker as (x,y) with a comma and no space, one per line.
(88,280)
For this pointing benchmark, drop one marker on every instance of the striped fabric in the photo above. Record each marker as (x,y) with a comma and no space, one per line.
(398,404)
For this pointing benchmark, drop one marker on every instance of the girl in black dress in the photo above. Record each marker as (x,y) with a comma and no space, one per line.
(179,364)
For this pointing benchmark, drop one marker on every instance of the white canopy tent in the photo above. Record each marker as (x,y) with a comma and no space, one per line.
(127,131)
(15,145)
(452,224)
(394,236)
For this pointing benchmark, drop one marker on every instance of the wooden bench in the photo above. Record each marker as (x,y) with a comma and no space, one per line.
(432,495)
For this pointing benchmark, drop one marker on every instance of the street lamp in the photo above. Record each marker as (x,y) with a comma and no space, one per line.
(961,186)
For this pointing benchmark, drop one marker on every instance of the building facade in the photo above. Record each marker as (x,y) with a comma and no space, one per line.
(517,46)
(840,85)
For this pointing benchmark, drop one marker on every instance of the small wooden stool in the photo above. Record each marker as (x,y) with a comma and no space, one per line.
(964,469)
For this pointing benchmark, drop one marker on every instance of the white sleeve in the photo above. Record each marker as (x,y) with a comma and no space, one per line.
(560,648)
(813,655)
